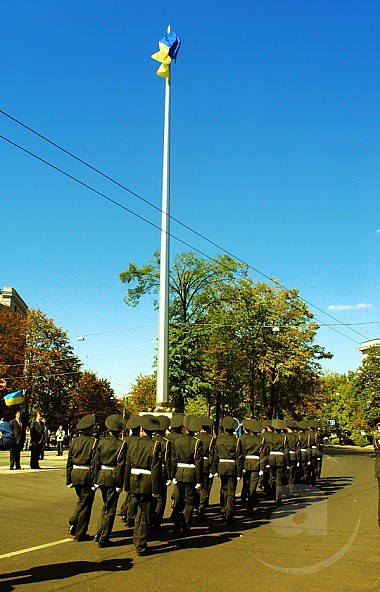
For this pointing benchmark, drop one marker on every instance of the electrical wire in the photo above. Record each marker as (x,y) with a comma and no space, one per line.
(103,195)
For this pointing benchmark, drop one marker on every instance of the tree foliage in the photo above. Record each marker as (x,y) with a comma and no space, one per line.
(91,395)
(12,352)
(142,395)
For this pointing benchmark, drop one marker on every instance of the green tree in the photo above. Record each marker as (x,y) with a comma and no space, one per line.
(368,385)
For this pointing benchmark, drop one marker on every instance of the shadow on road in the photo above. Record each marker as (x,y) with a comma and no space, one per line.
(60,571)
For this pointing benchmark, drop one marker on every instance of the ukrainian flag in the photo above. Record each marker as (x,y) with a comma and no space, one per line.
(13,398)
(169,48)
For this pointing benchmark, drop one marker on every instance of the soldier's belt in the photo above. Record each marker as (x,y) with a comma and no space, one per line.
(185,466)
(303,449)
(292,452)
(314,447)
(276,453)
(206,458)
(136,471)
(227,460)
(252,456)
(107,468)
(81,467)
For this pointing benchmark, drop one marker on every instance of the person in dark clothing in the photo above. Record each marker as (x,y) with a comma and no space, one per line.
(208,442)
(18,432)
(278,459)
(254,459)
(80,472)
(37,440)
(228,465)
(128,510)
(143,474)
(166,478)
(109,475)
(187,463)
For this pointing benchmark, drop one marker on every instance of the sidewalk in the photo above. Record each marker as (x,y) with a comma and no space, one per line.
(51,462)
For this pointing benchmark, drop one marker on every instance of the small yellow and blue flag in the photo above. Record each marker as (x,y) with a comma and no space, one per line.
(13,398)
(169,48)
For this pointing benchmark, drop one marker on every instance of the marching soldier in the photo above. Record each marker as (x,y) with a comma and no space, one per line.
(264,481)
(254,458)
(376,445)
(187,462)
(128,509)
(294,455)
(166,477)
(143,474)
(176,425)
(278,459)
(243,438)
(305,445)
(208,442)
(80,474)
(228,465)
(109,475)
(315,450)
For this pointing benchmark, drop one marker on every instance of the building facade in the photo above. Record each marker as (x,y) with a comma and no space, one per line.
(9,298)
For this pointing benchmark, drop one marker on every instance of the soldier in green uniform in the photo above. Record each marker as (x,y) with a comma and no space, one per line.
(143,473)
(166,478)
(80,470)
(243,438)
(254,459)
(128,509)
(176,425)
(315,450)
(187,462)
(278,459)
(304,439)
(109,475)
(294,455)
(228,465)
(208,442)
(376,445)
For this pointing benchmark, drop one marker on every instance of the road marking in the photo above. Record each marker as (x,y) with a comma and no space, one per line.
(6,555)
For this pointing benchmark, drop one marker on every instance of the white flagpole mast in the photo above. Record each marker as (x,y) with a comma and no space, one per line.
(163,318)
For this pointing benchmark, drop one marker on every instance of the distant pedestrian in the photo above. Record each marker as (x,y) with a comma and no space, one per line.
(60,436)
(27,438)
(7,438)
(37,439)
(15,451)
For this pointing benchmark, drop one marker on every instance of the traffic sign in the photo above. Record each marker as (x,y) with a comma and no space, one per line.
(3,384)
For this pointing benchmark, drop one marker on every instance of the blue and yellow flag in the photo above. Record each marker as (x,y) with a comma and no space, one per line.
(169,48)
(13,398)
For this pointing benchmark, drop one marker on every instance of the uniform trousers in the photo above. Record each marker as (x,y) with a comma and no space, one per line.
(143,520)
(107,517)
(253,481)
(245,488)
(158,508)
(129,509)
(276,481)
(228,485)
(184,503)
(292,480)
(204,493)
(82,513)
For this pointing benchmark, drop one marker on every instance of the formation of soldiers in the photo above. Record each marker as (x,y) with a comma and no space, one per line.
(275,455)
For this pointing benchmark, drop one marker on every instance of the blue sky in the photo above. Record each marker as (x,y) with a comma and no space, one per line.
(275,151)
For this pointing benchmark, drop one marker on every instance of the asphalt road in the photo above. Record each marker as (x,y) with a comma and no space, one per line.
(326,540)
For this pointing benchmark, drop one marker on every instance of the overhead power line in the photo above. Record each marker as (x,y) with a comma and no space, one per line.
(103,195)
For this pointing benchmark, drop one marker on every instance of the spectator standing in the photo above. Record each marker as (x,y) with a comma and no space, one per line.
(60,436)
(18,433)
(37,439)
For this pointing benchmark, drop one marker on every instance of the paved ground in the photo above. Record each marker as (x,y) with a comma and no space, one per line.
(327,540)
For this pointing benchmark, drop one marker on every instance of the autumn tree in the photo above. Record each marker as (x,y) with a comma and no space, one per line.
(142,395)
(91,395)
(12,352)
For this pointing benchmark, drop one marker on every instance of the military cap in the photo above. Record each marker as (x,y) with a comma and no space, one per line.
(255,426)
(133,422)
(246,423)
(230,423)
(279,424)
(149,423)
(206,421)
(164,421)
(266,423)
(176,421)
(303,425)
(192,423)
(313,424)
(115,422)
(86,422)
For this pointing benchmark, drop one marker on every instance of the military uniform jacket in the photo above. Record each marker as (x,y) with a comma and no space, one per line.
(187,459)
(110,457)
(314,442)
(173,436)
(166,448)
(228,456)
(278,449)
(376,445)
(208,451)
(254,452)
(143,470)
(305,445)
(294,447)
(80,468)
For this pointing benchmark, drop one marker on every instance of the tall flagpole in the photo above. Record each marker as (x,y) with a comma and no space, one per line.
(163,317)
